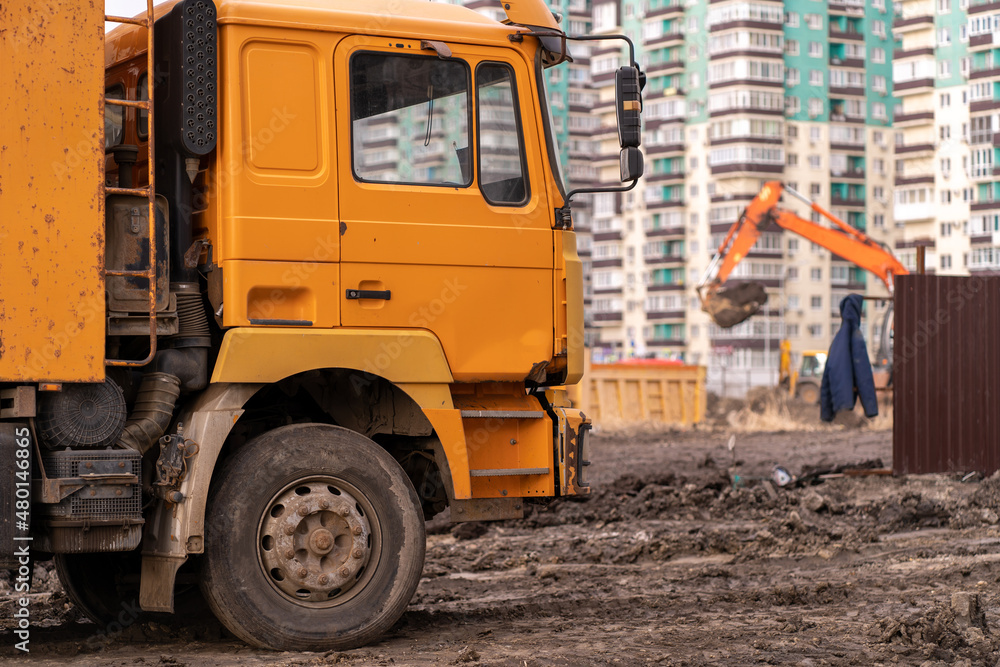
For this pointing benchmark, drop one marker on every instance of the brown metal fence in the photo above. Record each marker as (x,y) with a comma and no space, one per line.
(946,365)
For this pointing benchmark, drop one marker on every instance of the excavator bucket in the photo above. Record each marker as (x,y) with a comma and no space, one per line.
(730,305)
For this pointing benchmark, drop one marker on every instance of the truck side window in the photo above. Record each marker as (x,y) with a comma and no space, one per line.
(114,118)
(410,120)
(501,148)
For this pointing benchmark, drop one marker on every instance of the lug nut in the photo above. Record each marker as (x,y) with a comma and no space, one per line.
(289,530)
(303,572)
(290,554)
(357,553)
(303,510)
(324,503)
(323,580)
(358,530)
(344,572)
(343,511)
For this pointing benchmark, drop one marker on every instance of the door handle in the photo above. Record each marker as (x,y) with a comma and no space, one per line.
(385,295)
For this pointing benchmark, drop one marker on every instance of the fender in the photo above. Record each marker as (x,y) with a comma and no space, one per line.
(249,360)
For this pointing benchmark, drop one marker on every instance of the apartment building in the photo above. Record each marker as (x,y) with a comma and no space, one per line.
(948,189)
(739,93)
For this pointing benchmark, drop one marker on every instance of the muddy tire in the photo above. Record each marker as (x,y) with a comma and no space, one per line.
(314,540)
(105,588)
(808,393)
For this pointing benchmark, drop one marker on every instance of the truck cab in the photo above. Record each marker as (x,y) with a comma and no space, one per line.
(336,292)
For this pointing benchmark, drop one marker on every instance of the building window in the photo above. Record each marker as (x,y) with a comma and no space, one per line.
(815,162)
(792,47)
(945,229)
(792,105)
(793,302)
(815,106)
(815,134)
(793,245)
(815,49)
(816,302)
(945,99)
(878,55)
(878,221)
(815,330)
(816,275)
(792,159)
(814,21)
(791,76)
(878,110)
(878,192)
(815,77)
(944,69)
(815,190)
(945,261)
(946,196)
(793,131)
(792,19)
(792,273)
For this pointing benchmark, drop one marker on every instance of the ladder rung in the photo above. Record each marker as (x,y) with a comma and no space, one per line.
(124,19)
(508,472)
(135,104)
(140,192)
(130,273)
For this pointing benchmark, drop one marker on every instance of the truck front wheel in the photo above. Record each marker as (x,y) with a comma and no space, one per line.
(314,540)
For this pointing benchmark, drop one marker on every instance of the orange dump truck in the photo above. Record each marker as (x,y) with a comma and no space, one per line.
(279,280)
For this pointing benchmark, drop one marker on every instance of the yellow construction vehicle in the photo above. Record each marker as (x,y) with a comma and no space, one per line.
(279,281)
(730,305)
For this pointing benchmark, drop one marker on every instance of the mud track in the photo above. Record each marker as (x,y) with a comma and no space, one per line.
(668,562)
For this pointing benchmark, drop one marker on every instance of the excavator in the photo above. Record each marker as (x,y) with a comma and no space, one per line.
(728,305)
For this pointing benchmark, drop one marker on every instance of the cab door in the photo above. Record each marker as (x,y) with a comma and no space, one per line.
(446,226)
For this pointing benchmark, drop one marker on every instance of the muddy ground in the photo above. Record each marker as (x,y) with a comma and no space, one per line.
(683,555)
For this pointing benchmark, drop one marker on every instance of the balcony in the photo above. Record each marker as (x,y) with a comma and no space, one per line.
(837,61)
(926,179)
(913,212)
(980,6)
(854,173)
(665,287)
(914,118)
(615,262)
(665,315)
(665,231)
(985,73)
(847,200)
(607,318)
(849,7)
(912,23)
(656,260)
(854,91)
(846,35)
(900,54)
(980,41)
(914,148)
(913,84)
(740,168)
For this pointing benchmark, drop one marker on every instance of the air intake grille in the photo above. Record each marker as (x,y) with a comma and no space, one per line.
(99,502)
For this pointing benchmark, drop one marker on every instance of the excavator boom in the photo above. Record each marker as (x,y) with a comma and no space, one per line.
(729,306)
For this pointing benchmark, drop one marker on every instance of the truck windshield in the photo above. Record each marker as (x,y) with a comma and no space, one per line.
(410,119)
(551,142)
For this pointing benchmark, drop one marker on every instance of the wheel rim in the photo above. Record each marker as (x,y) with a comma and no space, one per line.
(317,542)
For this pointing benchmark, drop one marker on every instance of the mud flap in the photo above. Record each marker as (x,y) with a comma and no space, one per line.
(573,432)
(15,492)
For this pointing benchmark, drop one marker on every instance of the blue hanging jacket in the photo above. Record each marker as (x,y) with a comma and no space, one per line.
(848,372)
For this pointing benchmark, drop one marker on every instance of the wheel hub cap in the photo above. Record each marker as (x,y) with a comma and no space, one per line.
(315,541)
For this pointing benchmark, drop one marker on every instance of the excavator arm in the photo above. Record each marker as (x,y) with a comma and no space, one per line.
(732,306)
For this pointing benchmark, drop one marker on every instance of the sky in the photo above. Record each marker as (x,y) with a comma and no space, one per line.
(125,8)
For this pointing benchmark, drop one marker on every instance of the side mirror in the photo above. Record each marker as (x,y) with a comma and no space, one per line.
(628,105)
(631,163)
